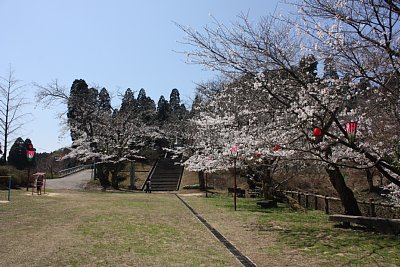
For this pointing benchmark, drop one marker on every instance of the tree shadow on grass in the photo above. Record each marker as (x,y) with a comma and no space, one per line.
(318,237)
(310,232)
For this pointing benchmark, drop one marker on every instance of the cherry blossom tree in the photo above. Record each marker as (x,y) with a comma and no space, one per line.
(269,59)
(394,193)
(362,39)
(231,118)
(117,138)
(108,136)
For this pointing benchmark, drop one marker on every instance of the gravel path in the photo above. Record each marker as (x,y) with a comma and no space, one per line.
(75,181)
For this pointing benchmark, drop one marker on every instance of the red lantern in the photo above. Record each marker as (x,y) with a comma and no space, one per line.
(234,149)
(351,129)
(317,131)
(30,152)
(277,147)
(235,152)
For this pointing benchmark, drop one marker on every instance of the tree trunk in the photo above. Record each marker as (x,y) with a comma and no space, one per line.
(132,176)
(202,181)
(102,173)
(370,176)
(346,195)
(115,179)
(5,144)
(267,183)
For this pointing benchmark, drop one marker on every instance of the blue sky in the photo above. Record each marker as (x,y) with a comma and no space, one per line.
(114,44)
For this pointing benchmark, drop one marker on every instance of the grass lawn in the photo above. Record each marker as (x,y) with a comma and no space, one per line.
(280,237)
(104,229)
(136,229)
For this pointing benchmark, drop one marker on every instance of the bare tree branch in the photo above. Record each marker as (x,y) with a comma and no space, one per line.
(11,105)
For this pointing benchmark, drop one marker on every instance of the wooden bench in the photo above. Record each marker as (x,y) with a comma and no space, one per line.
(268,203)
(254,193)
(239,192)
(382,225)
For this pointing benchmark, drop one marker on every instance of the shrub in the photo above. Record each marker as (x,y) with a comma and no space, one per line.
(18,176)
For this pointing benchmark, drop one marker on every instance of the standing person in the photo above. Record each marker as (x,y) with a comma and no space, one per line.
(148,186)
(39,184)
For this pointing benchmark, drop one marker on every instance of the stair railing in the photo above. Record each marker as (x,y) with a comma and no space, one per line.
(180,178)
(150,174)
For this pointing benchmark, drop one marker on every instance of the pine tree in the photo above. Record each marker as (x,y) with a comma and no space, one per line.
(17,154)
(129,103)
(178,109)
(308,68)
(146,107)
(145,103)
(330,71)
(142,100)
(174,100)
(104,101)
(82,106)
(163,110)
(183,113)
(195,106)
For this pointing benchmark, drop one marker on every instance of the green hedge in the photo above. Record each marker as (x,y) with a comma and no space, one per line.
(18,176)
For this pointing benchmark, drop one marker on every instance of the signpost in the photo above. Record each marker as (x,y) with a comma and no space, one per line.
(30,153)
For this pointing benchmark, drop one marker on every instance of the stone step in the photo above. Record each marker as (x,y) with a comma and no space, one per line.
(166,175)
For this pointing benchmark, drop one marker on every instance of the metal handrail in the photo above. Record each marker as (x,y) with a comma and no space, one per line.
(150,174)
(75,169)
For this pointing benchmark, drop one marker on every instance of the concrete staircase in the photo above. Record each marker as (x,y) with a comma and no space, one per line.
(166,175)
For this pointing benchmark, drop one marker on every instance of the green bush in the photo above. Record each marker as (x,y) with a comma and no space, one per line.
(18,176)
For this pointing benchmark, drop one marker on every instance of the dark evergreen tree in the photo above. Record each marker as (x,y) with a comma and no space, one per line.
(174,100)
(104,101)
(178,110)
(82,106)
(183,111)
(196,106)
(163,110)
(18,157)
(129,103)
(146,107)
(17,154)
(172,117)
(330,71)
(145,103)
(141,95)
(308,68)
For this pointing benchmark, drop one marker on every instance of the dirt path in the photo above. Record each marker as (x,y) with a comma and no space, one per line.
(75,181)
